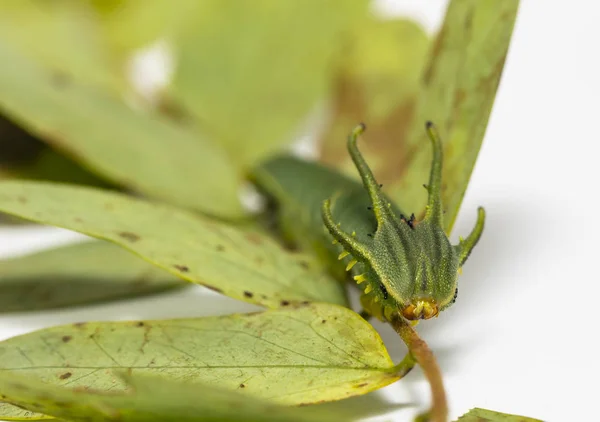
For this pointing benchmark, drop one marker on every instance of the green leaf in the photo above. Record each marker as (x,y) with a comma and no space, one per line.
(457,91)
(308,354)
(243,264)
(130,24)
(252,70)
(483,415)
(78,274)
(151,398)
(62,35)
(135,149)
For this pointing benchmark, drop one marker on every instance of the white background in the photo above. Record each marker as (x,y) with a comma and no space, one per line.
(523,335)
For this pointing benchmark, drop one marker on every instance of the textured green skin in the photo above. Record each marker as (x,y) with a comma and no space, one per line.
(403,264)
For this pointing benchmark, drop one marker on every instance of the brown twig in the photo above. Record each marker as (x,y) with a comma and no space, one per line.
(424,357)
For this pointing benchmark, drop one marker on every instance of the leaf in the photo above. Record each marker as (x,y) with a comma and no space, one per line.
(243,264)
(138,150)
(151,398)
(78,274)
(308,354)
(252,70)
(457,91)
(62,35)
(25,156)
(130,24)
(482,415)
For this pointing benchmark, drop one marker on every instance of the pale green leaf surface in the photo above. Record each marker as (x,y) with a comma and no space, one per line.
(456,91)
(130,24)
(62,35)
(243,264)
(483,415)
(252,70)
(151,398)
(308,354)
(78,274)
(139,150)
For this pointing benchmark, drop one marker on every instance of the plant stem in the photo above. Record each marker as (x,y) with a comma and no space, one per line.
(424,357)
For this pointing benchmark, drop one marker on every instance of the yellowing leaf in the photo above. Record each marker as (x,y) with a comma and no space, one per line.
(77,274)
(252,70)
(138,150)
(483,415)
(308,354)
(151,398)
(243,264)
(456,92)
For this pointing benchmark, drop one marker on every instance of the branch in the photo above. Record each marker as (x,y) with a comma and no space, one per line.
(424,357)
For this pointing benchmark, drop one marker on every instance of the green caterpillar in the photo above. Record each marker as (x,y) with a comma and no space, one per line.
(402,265)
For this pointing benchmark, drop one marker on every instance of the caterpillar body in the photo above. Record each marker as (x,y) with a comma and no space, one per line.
(401,265)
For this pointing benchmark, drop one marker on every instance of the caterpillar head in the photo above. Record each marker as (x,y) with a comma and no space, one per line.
(407,267)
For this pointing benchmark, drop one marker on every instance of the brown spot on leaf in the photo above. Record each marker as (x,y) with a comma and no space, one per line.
(285,302)
(66,339)
(254,238)
(213,288)
(242,385)
(323,321)
(60,80)
(139,324)
(182,268)
(174,111)
(248,294)
(364,384)
(220,248)
(131,237)
(79,324)
(65,375)
(304,264)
